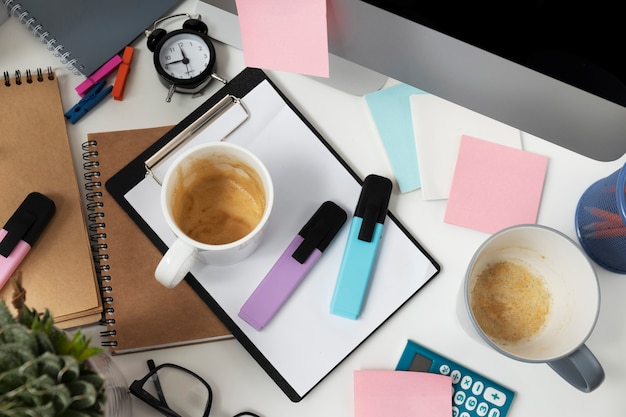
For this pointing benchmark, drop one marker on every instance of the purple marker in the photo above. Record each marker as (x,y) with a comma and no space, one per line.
(293,265)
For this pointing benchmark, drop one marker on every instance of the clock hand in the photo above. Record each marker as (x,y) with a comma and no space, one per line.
(185,60)
(175,62)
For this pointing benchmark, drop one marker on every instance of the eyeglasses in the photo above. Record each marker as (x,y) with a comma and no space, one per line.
(175,391)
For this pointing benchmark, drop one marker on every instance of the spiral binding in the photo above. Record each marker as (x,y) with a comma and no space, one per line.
(18,78)
(97,236)
(15,9)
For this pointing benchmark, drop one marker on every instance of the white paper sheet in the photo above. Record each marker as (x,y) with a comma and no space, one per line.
(304,342)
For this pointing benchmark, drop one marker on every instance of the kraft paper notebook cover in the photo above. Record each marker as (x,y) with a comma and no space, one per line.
(140,313)
(304,342)
(58,273)
(86,34)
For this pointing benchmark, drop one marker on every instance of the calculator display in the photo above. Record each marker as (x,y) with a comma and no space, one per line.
(420,363)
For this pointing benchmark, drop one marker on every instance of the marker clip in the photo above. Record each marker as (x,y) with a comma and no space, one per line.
(293,265)
(91,100)
(362,246)
(22,230)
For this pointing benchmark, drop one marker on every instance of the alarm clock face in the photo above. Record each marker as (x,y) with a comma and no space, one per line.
(185,56)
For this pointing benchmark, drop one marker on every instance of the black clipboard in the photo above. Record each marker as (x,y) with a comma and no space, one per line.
(218,294)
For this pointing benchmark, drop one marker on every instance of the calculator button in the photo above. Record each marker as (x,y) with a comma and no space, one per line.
(471,403)
(456,376)
(478,388)
(495,396)
(466,382)
(482,409)
(444,369)
(494,412)
(459,398)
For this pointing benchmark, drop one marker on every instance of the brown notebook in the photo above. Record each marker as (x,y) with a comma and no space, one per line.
(141,314)
(58,272)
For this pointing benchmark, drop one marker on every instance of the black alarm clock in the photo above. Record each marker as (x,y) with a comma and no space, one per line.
(184,59)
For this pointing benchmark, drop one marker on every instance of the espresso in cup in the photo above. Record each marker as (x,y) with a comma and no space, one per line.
(221,202)
(510,302)
(217,199)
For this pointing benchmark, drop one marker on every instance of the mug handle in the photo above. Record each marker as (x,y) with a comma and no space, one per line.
(175,264)
(581,369)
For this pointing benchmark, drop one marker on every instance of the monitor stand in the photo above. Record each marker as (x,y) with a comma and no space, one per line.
(221,18)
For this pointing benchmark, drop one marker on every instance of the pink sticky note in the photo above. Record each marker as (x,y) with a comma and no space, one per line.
(401,394)
(494,186)
(285,35)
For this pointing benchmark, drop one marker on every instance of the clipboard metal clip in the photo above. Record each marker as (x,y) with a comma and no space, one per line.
(211,115)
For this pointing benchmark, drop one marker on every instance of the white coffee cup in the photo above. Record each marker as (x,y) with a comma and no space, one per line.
(238,191)
(550,264)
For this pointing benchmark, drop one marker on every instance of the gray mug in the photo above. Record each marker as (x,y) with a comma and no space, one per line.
(531,294)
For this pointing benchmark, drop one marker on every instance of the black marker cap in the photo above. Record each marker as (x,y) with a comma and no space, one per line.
(28,221)
(320,230)
(373,203)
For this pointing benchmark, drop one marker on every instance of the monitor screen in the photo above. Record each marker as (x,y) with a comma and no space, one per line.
(552,69)
(577,45)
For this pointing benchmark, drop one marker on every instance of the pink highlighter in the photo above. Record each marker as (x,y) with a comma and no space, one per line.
(21,231)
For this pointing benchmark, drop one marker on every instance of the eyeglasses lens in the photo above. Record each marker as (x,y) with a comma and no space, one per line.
(182,392)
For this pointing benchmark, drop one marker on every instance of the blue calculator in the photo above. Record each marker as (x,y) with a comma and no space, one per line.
(473,395)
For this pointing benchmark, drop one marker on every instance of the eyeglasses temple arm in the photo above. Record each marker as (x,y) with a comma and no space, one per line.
(157,383)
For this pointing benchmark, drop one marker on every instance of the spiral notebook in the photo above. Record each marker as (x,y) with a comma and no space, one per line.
(86,34)
(304,342)
(35,155)
(140,313)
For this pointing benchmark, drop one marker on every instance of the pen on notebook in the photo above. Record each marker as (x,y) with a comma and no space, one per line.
(21,231)
(364,237)
(293,265)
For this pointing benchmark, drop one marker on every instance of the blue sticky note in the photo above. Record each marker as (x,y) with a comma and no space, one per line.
(391,111)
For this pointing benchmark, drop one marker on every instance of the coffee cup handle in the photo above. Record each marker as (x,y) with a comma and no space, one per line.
(581,369)
(175,264)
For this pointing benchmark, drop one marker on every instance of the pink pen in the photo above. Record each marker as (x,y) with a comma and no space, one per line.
(21,231)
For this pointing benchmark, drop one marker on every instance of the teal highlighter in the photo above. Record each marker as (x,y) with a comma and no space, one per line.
(364,238)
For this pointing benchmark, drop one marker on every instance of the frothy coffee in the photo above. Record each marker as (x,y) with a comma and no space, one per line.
(218,201)
(510,303)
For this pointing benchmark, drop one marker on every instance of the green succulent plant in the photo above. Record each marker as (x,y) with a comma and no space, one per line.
(44,371)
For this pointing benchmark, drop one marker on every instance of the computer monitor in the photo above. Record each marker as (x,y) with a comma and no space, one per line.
(551,69)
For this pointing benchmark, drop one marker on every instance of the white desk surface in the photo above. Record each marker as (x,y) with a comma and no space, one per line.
(429,318)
